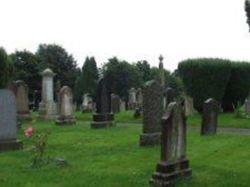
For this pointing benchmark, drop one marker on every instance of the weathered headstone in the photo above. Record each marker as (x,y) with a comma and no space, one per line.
(47,107)
(209,117)
(103,116)
(174,163)
(87,103)
(22,100)
(189,105)
(66,109)
(115,103)
(8,122)
(132,99)
(152,113)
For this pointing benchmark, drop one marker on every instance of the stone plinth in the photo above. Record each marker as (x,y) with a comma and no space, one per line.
(102,120)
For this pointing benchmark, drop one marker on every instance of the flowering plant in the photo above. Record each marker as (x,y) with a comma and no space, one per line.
(39,141)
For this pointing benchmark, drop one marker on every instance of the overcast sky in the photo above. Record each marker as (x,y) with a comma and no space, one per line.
(129,29)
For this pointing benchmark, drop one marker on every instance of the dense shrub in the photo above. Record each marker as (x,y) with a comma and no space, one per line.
(6,68)
(238,86)
(204,78)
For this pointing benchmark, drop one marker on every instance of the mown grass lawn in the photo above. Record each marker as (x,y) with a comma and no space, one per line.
(112,157)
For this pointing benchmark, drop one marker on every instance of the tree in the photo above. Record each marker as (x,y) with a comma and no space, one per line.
(6,68)
(26,69)
(55,57)
(144,68)
(247,9)
(121,76)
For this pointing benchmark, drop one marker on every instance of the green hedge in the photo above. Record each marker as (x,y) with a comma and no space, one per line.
(6,68)
(204,78)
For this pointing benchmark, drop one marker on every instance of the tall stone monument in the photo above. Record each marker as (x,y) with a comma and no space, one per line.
(152,113)
(47,107)
(174,163)
(8,122)
(103,116)
(66,108)
(209,117)
(162,73)
(115,103)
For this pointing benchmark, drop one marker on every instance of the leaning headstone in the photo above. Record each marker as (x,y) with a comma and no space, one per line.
(132,99)
(189,105)
(47,107)
(103,116)
(209,117)
(22,100)
(66,108)
(174,163)
(115,103)
(8,122)
(152,113)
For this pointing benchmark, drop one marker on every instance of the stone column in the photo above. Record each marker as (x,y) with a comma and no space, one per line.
(47,107)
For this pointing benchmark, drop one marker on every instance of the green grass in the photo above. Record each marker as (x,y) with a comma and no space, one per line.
(224,120)
(112,158)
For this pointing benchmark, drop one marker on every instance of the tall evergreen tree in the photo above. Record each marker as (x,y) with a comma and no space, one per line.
(6,68)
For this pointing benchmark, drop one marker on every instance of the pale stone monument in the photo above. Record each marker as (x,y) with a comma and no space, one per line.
(48,107)
(210,117)
(132,99)
(103,117)
(87,103)
(8,122)
(174,163)
(152,113)
(66,108)
(122,105)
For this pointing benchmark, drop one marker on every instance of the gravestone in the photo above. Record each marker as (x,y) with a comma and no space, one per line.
(87,103)
(115,103)
(174,163)
(22,100)
(189,105)
(247,104)
(103,116)
(8,122)
(47,107)
(66,108)
(210,117)
(122,105)
(132,99)
(152,113)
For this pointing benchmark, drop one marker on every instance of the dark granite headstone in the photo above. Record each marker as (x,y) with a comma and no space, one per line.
(8,122)
(152,113)
(210,117)
(115,103)
(66,109)
(174,163)
(103,116)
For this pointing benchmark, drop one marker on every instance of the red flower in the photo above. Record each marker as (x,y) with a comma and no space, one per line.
(29,132)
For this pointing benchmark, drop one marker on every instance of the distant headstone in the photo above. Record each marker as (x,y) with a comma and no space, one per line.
(87,103)
(103,116)
(8,122)
(210,117)
(122,105)
(247,104)
(152,113)
(189,105)
(47,107)
(22,100)
(132,99)
(115,103)
(66,108)
(139,97)
(174,163)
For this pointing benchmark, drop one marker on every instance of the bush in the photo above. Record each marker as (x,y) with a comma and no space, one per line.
(6,68)
(204,78)
(238,86)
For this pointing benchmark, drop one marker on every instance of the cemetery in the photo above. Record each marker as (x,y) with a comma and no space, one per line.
(121,123)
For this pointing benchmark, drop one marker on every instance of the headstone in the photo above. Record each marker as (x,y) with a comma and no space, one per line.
(162,73)
(247,104)
(47,107)
(22,100)
(189,105)
(152,113)
(66,108)
(103,116)
(132,99)
(174,163)
(87,103)
(169,96)
(8,122)
(139,97)
(210,117)
(122,105)
(115,103)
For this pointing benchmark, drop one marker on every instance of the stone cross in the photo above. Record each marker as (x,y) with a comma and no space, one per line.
(66,107)
(209,117)
(103,116)
(152,113)
(174,163)
(8,122)
(47,107)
